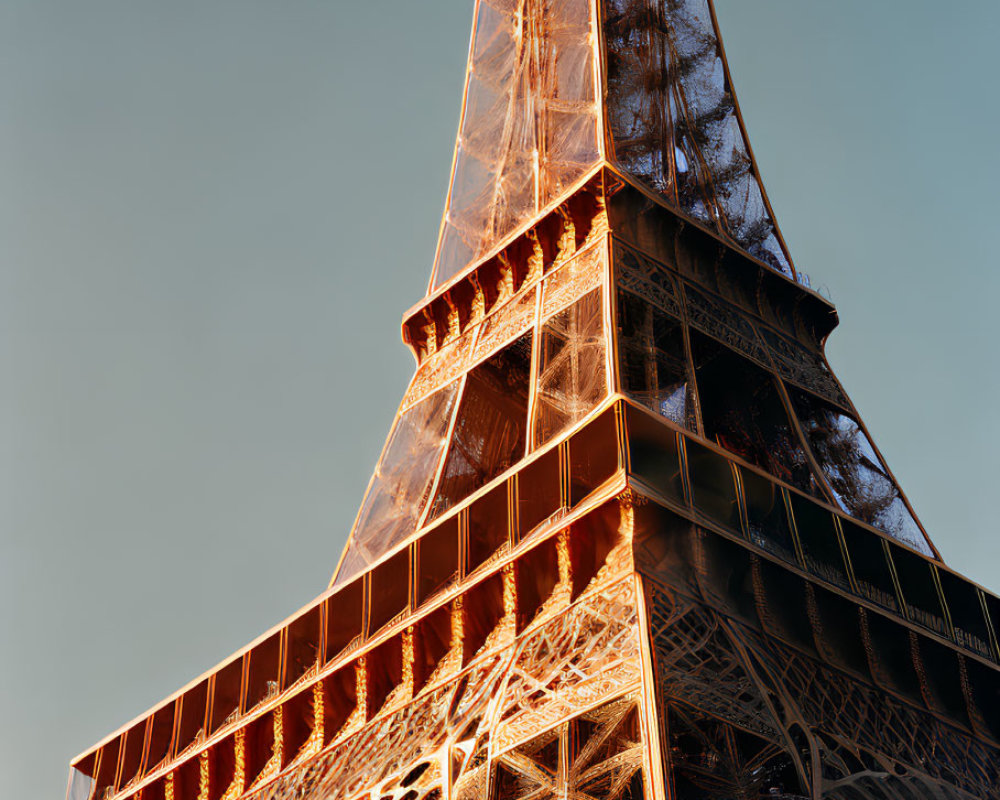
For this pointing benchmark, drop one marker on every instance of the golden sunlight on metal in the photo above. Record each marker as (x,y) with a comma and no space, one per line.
(628,537)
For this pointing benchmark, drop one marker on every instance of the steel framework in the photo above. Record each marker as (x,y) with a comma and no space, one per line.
(628,537)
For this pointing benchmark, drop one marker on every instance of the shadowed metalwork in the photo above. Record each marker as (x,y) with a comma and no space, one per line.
(628,537)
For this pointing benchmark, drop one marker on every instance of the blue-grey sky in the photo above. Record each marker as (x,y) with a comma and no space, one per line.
(214,213)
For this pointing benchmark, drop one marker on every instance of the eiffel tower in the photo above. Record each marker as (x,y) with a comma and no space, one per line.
(628,537)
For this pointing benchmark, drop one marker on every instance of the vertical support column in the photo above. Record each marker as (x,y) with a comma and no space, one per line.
(654,719)
(204,776)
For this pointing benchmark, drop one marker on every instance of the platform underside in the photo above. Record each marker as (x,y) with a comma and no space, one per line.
(640,689)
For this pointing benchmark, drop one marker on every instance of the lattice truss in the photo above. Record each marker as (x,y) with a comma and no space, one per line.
(517,722)
(529,127)
(484,401)
(549,97)
(566,103)
(593,315)
(748,716)
(736,403)
(675,123)
(612,315)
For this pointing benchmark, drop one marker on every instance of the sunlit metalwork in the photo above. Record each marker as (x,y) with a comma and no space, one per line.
(628,537)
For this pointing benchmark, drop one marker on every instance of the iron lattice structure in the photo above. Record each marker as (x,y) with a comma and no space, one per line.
(628,537)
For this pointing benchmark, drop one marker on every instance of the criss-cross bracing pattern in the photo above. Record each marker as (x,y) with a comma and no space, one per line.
(744,369)
(748,716)
(580,309)
(429,705)
(480,726)
(566,102)
(620,651)
(675,124)
(598,754)
(524,375)
(513,381)
(542,80)
(628,538)
(529,127)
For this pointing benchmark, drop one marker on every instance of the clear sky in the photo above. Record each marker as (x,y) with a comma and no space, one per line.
(213,215)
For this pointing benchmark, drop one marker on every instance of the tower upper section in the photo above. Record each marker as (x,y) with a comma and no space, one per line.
(592,129)
(557,88)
